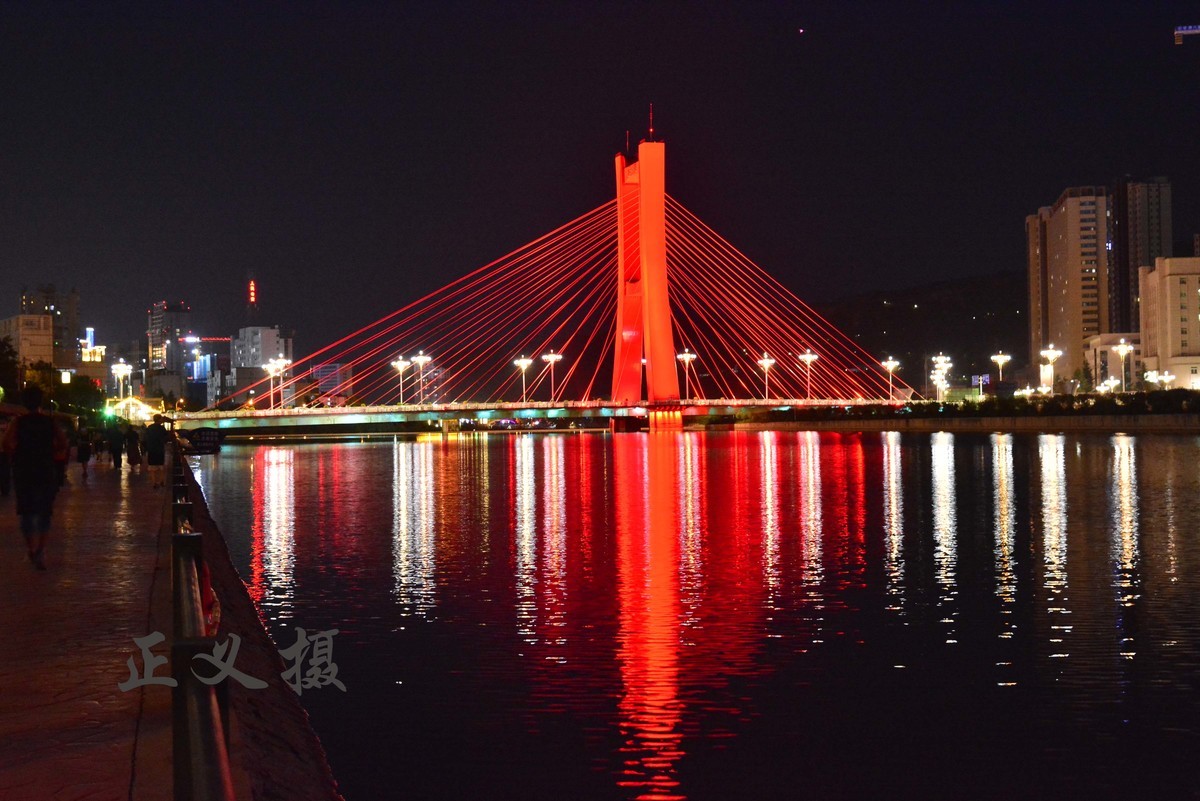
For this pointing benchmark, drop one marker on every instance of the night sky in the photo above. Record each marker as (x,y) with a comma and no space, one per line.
(355,156)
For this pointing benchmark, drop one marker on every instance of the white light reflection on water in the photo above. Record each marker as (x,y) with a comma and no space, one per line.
(811,522)
(1005,523)
(893,519)
(414,537)
(526,535)
(276,504)
(691,530)
(1124,505)
(554,546)
(945,521)
(1051,452)
(769,501)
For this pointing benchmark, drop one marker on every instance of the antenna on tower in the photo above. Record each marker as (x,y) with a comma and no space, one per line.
(627,142)
(651,122)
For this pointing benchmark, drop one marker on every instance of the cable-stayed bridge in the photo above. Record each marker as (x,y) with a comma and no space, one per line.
(693,328)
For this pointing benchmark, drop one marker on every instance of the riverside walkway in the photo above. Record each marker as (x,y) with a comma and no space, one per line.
(67,733)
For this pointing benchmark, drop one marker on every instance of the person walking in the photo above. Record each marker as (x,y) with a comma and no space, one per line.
(116,446)
(83,449)
(156,449)
(36,445)
(133,448)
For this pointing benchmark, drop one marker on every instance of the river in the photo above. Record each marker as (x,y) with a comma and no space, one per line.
(736,614)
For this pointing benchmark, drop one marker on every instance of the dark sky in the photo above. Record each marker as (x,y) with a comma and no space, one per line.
(354,156)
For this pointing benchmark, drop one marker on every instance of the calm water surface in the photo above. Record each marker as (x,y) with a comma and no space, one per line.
(737,615)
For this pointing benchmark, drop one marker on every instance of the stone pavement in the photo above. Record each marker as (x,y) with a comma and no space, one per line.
(67,733)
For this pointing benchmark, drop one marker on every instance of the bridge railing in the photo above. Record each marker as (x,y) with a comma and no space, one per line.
(200,711)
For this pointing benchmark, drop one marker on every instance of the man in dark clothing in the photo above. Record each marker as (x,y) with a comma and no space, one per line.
(116,445)
(35,446)
(155,440)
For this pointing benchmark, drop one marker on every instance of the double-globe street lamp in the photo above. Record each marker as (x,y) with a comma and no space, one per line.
(401,365)
(765,363)
(1123,349)
(551,359)
(890,365)
(420,360)
(275,368)
(808,357)
(121,371)
(523,363)
(687,357)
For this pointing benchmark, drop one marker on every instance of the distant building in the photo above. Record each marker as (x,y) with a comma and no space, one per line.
(256,345)
(1140,229)
(334,383)
(1105,362)
(32,337)
(1067,247)
(1170,310)
(63,308)
(167,324)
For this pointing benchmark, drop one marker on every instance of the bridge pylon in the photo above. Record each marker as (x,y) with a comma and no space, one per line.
(643,328)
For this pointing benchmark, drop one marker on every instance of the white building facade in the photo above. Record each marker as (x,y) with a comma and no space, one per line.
(1170,318)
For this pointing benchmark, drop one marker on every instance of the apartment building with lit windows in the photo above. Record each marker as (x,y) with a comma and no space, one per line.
(1068,247)
(1170,318)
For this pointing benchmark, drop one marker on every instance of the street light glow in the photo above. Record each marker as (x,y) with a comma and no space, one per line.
(1001,359)
(1123,349)
(523,363)
(551,359)
(401,365)
(808,357)
(890,365)
(765,363)
(420,360)
(687,357)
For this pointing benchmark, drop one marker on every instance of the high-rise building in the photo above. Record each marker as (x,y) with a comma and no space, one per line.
(1170,309)
(63,308)
(168,324)
(1140,230)
(256,345)
(1067,247)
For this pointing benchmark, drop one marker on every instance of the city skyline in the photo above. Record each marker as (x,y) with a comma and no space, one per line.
(173,153)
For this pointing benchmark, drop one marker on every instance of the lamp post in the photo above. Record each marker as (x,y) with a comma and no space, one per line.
(941,369)
(1001,359)
(765,363)
(420,360)
(1165,378)
(1051,354)
(275,368)
(401,365)
(687,357)
(890,365)
(1123,349)
(523,363)
(121,371)
(808,357)
(551,359)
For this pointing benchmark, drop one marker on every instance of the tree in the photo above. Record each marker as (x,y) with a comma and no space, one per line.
(9,369)
(1084,380)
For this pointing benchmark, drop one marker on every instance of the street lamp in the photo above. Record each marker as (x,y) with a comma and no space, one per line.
(1165,378)
(765,363)
(1001,359)
(401,365)
(420,360)
(941,369)
(1123,349)
(275,368)
(1051,354)
(808,357)
(121,371)
(687,357)
(890,365)
(523,363)
(551,359)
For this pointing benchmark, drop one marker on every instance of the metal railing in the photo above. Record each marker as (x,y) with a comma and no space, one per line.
(200,711)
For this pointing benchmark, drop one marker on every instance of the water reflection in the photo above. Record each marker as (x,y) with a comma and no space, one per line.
(1005,523)
(769,503)
(811,515)
(945,520)
(525,486)
(414,540)
(273,532)
(554,547)
(893,518)
(645,478)
(1052,456)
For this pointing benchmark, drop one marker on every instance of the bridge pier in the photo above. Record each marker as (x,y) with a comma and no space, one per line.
(670,419)
(450,426)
